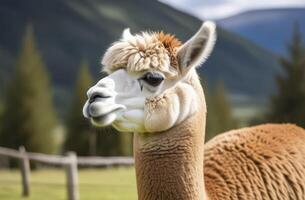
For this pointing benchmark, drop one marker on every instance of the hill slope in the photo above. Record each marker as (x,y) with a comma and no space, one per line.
(68,31)
(270,28)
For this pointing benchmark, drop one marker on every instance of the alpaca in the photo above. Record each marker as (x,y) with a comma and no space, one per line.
(152,89)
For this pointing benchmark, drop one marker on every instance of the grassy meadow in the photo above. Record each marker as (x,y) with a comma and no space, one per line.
(49,184)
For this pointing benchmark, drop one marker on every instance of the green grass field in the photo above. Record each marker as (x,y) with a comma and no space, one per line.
(101,184)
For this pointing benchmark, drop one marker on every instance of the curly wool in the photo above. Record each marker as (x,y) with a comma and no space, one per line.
(143,52)
(264,162)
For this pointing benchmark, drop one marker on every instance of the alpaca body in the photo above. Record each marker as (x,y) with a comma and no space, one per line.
(262,162)
(152,89)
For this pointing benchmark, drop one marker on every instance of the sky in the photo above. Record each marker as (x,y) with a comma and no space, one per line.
(217,9)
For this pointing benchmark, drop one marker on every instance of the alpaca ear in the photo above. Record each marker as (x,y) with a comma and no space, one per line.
(197,49)
(126,33)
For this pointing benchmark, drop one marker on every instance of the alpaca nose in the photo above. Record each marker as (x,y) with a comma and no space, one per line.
(102,91)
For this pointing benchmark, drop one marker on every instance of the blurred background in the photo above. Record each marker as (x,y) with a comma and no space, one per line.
(50,54)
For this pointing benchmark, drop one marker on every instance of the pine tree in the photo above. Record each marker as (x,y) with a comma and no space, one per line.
(1,98)
(81,136)
(288,104)
(126,144)
(28,117)
(110,142)
(2,83)
(219,116)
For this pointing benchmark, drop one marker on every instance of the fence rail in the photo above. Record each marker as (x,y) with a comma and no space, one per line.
(70,162)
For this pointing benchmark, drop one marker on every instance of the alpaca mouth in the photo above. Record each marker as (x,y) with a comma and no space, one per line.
(97,97)
(105,119)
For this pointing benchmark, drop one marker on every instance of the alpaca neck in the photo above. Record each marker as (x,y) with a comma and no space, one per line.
(169,165)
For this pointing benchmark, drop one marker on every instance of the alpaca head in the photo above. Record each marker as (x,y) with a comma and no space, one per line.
(149,83)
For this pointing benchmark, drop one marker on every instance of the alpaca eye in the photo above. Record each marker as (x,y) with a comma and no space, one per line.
(153,79)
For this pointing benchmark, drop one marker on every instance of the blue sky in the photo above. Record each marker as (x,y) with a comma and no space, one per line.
(216,9)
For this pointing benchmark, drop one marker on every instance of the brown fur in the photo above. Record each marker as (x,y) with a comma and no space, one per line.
(171,44)
(265,162)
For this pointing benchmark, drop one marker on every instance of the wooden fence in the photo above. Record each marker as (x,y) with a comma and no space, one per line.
(70,162)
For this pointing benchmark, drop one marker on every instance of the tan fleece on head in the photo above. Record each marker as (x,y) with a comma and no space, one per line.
(143,52)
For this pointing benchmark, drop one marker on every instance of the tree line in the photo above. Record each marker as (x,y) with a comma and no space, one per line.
(28,116)
(288,103)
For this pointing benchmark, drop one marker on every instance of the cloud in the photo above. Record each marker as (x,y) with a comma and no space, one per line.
(219,11)
(215,9)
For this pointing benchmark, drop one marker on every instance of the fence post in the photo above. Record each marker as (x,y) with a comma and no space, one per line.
(72,176)
(25,172)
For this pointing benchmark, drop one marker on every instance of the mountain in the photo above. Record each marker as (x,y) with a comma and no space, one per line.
(270,28)
(69,31)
